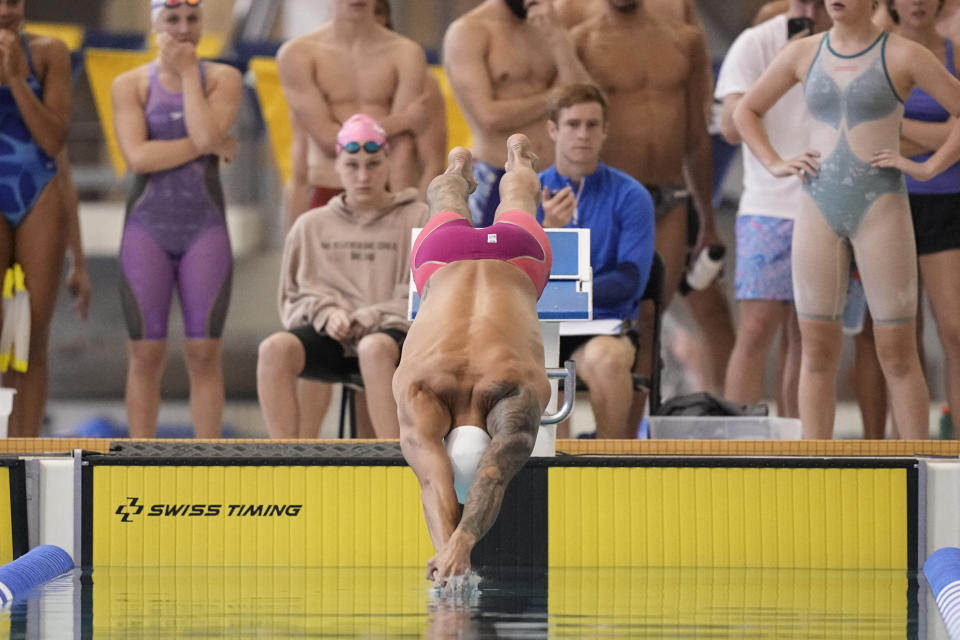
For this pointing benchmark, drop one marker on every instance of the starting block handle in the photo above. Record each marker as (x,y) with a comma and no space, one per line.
(569,376)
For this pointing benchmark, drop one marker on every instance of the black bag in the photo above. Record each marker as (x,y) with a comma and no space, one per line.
(704,404)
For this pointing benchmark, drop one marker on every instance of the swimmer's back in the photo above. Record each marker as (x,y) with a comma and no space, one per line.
(478,305)
(477,327)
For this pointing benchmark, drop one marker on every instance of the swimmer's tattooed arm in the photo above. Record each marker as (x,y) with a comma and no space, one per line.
(513,423)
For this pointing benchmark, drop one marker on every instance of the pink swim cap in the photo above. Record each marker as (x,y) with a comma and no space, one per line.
(360,131)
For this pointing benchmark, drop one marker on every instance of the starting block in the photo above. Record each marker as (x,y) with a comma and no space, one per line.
(568,297)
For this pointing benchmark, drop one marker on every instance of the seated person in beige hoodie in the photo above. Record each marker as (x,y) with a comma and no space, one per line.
(343,288)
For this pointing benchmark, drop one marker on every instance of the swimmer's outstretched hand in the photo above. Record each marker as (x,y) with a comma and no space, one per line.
(459,593)
(805,166)
(453,560)
(890,159)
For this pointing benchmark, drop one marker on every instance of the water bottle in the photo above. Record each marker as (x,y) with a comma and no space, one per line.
(9,321)
(946,424)
(21,334)
(704,269)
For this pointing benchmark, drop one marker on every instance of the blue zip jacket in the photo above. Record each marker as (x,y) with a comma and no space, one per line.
(618,210)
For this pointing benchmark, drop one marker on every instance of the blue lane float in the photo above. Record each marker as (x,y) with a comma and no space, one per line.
(32,569)
(942,570)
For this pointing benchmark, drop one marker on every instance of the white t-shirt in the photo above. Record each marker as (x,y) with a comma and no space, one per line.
(787,123)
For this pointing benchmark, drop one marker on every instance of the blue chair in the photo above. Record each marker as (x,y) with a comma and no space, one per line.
(94,39)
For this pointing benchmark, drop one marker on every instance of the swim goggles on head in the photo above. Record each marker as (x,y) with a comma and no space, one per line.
(354,147)
(173,4)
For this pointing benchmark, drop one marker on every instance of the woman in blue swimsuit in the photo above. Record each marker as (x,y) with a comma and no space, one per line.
(855,79)
(34,114)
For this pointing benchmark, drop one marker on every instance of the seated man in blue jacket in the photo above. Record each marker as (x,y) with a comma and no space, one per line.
(581,192)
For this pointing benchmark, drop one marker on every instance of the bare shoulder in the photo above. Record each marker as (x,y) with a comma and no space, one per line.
(469,31)
(47,51)
(303,48)
(132,80)
(404,46)
(471,24)
(571,13)
(904,51)
(691,36)
(47,46)
(799,54)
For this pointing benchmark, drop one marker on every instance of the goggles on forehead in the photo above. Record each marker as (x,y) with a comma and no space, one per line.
(354,147)
(173,4)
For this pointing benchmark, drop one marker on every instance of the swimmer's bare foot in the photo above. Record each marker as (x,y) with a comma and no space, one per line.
(520,153)
(449,190)
(460,162)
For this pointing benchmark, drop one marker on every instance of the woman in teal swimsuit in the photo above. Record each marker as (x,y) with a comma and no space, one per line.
(855,78)
(34,113)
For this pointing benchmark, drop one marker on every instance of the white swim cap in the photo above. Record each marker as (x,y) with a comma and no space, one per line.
(465,445)
(156,6)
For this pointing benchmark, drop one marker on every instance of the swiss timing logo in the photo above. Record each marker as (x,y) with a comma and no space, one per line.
(127,511)
(133,507)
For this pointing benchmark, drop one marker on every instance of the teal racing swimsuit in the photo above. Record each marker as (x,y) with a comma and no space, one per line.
(852,208)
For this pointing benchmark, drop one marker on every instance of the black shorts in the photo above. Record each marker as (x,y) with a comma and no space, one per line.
(936,222)
(326,360)
(569,344)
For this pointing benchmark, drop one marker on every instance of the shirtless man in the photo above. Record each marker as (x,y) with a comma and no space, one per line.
(503,59)
(657,116)
(351,65)
(472,368)
(654,67)
(431,143)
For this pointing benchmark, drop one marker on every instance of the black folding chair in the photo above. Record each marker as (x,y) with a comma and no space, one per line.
(653,294)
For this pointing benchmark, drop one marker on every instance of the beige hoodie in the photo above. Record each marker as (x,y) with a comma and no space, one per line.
(336,259)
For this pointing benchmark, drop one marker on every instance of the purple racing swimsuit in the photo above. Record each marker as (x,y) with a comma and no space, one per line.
(175,235)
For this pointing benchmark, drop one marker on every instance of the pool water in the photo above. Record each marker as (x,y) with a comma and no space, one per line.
(397,603)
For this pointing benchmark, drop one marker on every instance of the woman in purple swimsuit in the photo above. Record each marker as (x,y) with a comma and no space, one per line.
(34,114)
(172,118)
